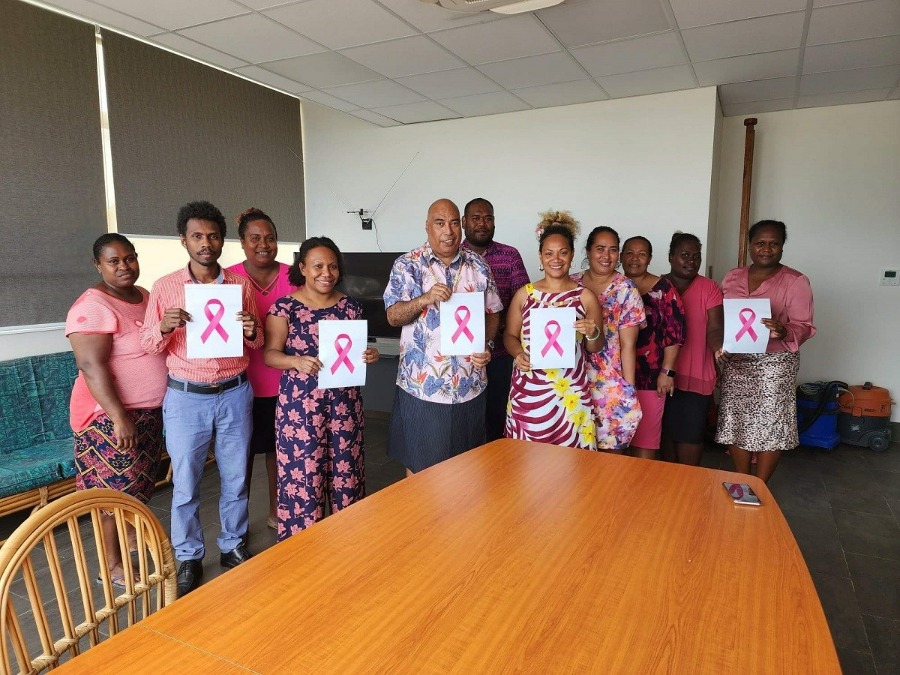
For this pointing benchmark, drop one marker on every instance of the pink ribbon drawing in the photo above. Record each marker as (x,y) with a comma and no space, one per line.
(463,324)
(736,491)
(551,338)
(214,320)
(746,324)
(343,351)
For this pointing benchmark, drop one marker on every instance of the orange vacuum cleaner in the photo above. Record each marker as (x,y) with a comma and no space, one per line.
(865,416)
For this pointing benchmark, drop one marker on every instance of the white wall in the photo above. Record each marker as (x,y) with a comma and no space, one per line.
(833,176)
(641,165)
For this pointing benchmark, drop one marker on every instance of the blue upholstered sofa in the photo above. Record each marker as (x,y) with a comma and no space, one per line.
(36,457)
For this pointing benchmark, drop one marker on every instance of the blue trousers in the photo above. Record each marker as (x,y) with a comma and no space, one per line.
(190,420)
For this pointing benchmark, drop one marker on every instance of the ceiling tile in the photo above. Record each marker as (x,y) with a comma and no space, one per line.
(829,3)
(264,4)
(104,15)
(842,98)
(264,76)
(174,14)
(328,69)
(408,56)
(533,71)
(692,13)
(498,40)
(427,111)
(854,21)
(341,23)
(746,68)
(735,109)
(375,118)
(485,104)
(429,18)
(896,94)
(584,23)
(857,54)
(184,46)
(849,80)
(625,56)
(376,94)
(761,90)
(751,36)
(648,81)
(269,40)
(565,93)
(329,100)
(450,83)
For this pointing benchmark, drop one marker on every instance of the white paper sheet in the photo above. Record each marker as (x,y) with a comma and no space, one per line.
(341,345)
(214,331)
(744,330)
(552,340)
(462,324)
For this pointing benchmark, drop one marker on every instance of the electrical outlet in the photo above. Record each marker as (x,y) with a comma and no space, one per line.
(890,278)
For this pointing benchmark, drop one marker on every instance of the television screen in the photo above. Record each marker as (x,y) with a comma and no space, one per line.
(365,278)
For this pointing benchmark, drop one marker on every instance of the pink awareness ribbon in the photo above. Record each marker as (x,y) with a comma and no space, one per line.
(551,338)
(747,324)
(214,320)
(463,324)
(736,491)
(343,351)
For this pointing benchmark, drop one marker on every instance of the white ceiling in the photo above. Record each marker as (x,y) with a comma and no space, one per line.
(400,61)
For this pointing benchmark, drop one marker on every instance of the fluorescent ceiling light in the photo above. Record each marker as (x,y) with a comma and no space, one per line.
(525,6)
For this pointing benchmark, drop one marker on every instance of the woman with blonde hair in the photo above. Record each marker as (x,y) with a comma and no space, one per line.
(553,405)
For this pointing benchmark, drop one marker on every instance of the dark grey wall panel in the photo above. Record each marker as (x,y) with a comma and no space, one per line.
(51,163)
(181,131)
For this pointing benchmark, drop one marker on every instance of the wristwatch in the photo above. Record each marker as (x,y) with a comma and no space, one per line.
(667,372)
(490,345)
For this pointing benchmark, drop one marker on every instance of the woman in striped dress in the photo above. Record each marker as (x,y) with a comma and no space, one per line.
(554,405)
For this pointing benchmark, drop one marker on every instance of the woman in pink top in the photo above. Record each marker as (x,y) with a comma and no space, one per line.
(269,280)
(684,418)
(116,405)
(757,413)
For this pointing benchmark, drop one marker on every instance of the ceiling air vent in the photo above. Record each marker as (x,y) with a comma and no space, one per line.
(499,6)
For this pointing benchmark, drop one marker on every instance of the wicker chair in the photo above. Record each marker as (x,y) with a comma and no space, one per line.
(52,544)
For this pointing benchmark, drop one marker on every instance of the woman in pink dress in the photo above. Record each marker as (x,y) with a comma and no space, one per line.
(552,405)
(616,405)
(757,413)
(269,280)
(116,405)
(684,419)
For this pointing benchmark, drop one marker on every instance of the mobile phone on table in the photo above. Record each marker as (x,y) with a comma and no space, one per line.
(742,493)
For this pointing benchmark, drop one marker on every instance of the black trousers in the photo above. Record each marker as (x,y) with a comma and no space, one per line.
(499,376)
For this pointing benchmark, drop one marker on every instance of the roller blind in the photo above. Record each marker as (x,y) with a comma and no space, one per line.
(51,163)
(181,131)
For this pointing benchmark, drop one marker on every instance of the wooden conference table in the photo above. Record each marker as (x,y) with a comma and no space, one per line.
(514,557)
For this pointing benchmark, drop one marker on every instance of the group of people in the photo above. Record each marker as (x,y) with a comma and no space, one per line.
(648,356)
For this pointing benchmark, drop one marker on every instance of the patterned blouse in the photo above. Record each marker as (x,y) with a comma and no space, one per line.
(665,328)
(424,372)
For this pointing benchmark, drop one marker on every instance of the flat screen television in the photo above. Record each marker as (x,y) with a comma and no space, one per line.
(365,278)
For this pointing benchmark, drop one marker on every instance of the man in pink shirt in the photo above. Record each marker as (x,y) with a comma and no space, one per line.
(205,397)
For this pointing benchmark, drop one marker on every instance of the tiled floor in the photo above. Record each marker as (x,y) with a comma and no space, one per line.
(843,507)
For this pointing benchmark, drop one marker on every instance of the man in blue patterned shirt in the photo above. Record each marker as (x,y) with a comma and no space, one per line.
(439,407)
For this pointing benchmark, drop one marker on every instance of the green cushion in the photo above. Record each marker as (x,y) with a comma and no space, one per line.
(34,467)
(54,375)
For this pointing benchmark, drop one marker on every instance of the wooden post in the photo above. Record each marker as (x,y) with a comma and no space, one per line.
(750,123)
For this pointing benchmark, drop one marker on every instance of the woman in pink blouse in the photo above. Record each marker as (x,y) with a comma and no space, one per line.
(269,280)
(116,405)
(757,412)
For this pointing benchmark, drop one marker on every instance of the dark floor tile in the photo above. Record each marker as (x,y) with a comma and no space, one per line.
(816,525)
(807,496)
(884,640)
(877,584)
(866,500)
(894,505)
(824,556)
(848,477)
(889,482)
(855,662)
(842,611)
(868,534)
(842,454)
(889,460)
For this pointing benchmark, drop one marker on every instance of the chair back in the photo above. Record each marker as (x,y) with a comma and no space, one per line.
(57,598)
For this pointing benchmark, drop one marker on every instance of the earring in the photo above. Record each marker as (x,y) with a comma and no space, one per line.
(541,268)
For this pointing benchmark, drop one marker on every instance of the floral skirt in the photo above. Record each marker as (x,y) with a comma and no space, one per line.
(758,406)
(101,465)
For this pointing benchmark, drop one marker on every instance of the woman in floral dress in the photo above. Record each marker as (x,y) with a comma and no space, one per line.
(616,405)
(319,431)
(554,405)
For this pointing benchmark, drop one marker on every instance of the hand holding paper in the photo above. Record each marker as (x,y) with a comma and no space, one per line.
(213,331)
(462,324)
(745,332)
(342,351)
(552,338)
